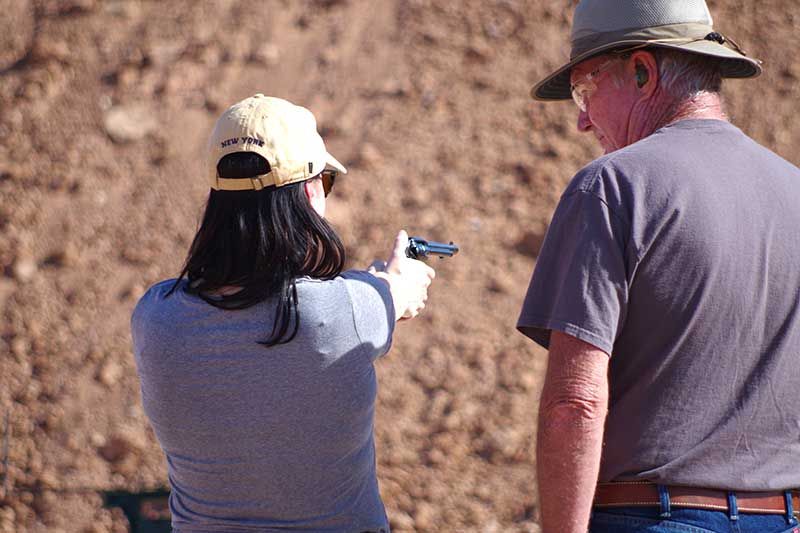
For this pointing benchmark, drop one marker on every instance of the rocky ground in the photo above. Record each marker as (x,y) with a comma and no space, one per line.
(104,111)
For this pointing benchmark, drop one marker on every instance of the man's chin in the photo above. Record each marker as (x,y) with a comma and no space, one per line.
(604,144)
(607,146)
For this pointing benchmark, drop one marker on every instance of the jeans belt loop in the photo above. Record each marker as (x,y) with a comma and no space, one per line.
(663,496)
(733,507)
(787,496)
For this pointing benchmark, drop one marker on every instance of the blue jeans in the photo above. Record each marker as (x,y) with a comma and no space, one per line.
(648,520)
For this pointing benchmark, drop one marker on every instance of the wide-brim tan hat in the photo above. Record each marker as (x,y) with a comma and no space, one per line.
(281,132)
(601,26)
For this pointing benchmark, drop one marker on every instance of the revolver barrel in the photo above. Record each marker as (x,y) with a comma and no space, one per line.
(419,248)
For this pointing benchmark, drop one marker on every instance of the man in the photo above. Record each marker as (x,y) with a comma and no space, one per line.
(667,291)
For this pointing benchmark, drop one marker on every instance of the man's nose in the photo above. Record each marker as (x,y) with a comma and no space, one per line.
(584,124)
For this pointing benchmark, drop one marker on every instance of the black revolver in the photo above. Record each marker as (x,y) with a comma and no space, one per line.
(419,248)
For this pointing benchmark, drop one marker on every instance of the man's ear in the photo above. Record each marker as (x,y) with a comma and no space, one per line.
(645,71)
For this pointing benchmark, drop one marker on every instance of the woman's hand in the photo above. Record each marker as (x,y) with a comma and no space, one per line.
(408,279)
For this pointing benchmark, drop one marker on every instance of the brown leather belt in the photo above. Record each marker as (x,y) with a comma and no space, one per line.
(642,493)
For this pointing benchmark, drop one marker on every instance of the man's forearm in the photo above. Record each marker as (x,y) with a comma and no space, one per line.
(568,460)
(570,434)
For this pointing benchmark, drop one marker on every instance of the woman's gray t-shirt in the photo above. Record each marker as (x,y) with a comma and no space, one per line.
(267,438)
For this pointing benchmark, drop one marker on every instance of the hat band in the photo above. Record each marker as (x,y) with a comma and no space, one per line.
(256,183)
(669,33)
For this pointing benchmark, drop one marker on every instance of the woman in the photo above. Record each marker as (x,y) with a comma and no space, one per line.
(256,364)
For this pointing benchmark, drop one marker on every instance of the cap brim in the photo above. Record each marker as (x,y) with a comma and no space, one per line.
(556,86)
(333,164)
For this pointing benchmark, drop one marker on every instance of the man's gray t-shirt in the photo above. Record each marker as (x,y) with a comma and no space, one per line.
(680,256)
(267,438)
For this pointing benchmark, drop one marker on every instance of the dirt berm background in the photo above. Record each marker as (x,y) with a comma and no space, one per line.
(105,107)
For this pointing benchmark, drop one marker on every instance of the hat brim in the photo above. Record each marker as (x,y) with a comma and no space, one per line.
(333,164)
(556,86)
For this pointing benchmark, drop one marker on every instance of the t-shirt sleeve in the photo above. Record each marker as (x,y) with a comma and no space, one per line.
(373,310)
(579,285)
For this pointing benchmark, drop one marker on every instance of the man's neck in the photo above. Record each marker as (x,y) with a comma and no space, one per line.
(704,105)
(658,112)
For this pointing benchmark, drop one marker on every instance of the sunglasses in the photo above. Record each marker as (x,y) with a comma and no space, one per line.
(328,178)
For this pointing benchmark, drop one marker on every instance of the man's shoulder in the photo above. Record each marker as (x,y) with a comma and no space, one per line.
(670,155)
(619,167)
(613,171)
(693,143)
(652,152)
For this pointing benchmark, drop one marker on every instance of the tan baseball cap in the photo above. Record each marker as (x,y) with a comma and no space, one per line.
(282,133)
(600,26)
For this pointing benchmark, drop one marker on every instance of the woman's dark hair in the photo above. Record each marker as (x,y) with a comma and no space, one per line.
(260,241)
